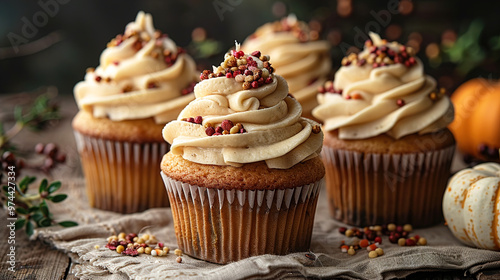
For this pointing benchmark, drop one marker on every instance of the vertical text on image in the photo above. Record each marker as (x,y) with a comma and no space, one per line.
(11,217)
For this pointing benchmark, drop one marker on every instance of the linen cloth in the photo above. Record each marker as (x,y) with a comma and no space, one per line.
(324,260)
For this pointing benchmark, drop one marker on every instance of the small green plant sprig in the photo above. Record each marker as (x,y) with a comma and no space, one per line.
(33,209)
(30,207)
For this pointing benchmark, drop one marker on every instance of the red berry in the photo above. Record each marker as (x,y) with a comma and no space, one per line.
(378,240)
(256,53)
(364,243)
(191,120)
(61,158)
(210,131)
(198,120)
(226,125)
(50,150)
(342,230)
(229,75)
(238,54)
(39,148)
(410,242)
(8,157)
(255,84)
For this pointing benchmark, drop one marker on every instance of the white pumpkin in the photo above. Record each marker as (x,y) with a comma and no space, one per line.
(471,206)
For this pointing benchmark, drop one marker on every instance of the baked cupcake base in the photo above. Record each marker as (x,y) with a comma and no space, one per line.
(223,225)
(381,180)
(120,168)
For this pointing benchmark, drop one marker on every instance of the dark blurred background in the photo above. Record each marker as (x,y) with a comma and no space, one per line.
(51,42)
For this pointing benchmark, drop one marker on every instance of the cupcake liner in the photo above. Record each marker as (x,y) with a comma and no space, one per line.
(122,176)
(368,189)
(223,226)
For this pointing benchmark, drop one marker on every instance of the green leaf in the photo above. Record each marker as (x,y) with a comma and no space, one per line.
(44,208)
(54,186)
(20,223)
(68,224)
(45,222)
(29,228)
(37,217)
(33,209)
(57,198)
(43,186)
(21,210)
(25,182)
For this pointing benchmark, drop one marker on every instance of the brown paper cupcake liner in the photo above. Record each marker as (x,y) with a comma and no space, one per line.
(122,176)
(368,189)
(223,226)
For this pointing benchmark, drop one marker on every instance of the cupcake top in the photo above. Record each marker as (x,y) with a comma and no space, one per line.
(298,55)
(142,74)
(383,89)
(243,114)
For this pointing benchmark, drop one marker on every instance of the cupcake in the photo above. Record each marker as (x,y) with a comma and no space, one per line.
(387,151)
(143,81)
(243,172)
(298,56)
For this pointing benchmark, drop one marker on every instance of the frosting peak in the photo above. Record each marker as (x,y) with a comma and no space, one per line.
(142,74)
(382,89)
(232,124)
(298,55)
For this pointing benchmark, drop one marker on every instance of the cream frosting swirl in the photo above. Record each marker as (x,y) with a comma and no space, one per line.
(275,131)
(394,99)
(301,60)
(142,74)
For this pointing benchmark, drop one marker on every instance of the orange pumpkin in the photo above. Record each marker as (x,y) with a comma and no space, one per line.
(477,118)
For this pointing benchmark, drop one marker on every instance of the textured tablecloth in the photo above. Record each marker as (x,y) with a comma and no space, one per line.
(443,252)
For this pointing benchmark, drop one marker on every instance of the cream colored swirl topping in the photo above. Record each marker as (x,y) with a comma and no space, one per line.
(142,74)
(298,56)
(229,125)
(383,89)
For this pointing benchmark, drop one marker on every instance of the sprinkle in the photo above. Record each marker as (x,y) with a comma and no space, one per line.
(379,251)
(357,95)
(316,129)
(351,251)
(344,248)
(372,254)
(120,249)
(400,102)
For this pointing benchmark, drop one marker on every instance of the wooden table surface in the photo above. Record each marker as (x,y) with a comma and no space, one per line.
(36,260)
